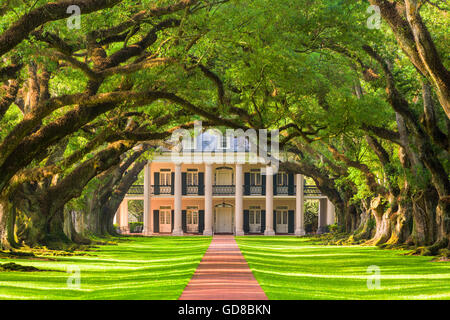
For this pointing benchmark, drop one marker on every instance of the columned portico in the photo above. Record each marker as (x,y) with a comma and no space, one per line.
(148,230)
(299,207)
(269,202)
(177,229)
(210,197)
(239,200)
(208,200)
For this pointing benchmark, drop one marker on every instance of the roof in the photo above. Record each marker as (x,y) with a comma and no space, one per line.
(214,142)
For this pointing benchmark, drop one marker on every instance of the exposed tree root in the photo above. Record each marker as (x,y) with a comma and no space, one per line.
(11,266)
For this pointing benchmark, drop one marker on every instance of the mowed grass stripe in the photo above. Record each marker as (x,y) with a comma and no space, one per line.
(301,268)
(138,268)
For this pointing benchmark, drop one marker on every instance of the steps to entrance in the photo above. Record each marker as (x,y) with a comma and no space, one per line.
(223,274)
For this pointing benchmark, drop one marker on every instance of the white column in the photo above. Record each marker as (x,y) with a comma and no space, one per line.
(117,216)
(147,201)
(239,202)
(330,212)
(208,200)
(177,229)
(322,216)
(124,216)
(269,202)
(299,206)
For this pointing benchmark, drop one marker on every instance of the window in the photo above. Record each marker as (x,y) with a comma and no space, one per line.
(282,215)
(224,142)
(282,179)
(192,215)
(165,176)
(192,177)
(165,215)
(192,219)
(255,215)
(195,218)
(255,177)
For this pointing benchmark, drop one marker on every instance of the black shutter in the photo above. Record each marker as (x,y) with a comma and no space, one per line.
(263,221)
(247,183)
(275,184)
(246,221)
(291,191)
(173,216)
(172,180)
(155,220)
(183,183)
(201,183)
(201,221)
(291,217)
(156,183)
(275,220)
(184,220)
(263,185)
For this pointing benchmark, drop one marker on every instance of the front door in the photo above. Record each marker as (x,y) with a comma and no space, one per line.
(255,220)
(165,220)
(223,220)
(282,221)
(192,220)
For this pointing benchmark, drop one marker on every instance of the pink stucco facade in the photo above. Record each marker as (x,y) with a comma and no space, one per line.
(207,198)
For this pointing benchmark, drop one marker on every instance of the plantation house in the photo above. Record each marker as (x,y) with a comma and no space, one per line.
(198,194)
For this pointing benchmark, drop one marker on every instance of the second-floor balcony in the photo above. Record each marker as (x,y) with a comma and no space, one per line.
(224,190)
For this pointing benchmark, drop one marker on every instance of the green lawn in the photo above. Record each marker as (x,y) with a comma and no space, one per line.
(300,268)
(141,268)
(285,267)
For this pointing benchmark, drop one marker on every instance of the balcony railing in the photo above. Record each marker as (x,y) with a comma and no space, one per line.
(192,190)
(255,190)
(223,190)
(136,189)
(161,189)
(283,190)
(309,190)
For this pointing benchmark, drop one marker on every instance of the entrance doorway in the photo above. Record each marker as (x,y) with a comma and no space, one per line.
(223,219)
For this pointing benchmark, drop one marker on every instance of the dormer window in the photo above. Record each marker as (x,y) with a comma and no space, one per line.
(224,142)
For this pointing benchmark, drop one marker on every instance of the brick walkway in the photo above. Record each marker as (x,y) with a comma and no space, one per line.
(223,274)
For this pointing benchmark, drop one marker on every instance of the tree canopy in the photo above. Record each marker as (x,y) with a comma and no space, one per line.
(359,90)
